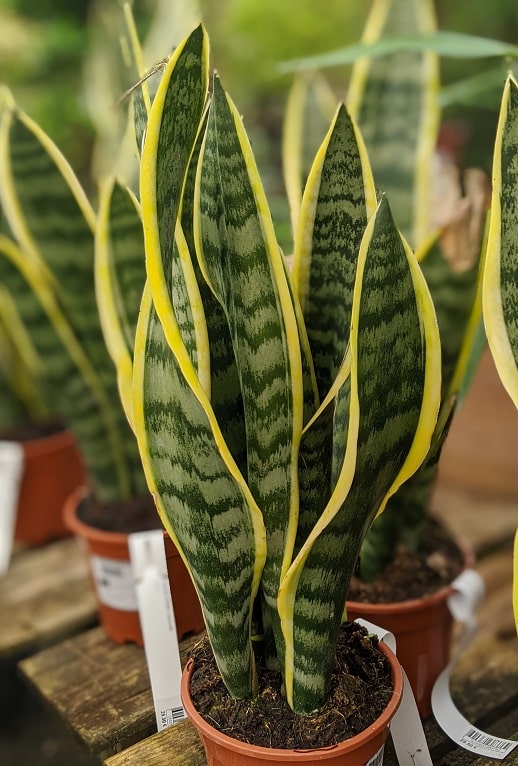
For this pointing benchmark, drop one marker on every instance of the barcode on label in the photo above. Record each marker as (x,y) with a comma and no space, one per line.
(171,715)
(474,737)
(377,759)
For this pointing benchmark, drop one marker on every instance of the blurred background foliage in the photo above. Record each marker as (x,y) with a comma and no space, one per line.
(54,52)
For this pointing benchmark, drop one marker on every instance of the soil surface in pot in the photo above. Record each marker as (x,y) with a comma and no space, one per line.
(29,431)
(360,690)
(412,575)
(134,515)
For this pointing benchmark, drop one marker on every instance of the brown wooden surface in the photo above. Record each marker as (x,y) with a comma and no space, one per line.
(101,690)
(44,596)
(484,687)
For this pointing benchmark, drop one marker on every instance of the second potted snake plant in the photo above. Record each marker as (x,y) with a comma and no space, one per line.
(43,464)
(275,415)
(47,272)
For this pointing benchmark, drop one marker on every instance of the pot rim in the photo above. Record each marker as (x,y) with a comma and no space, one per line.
(303,755)
(416,604)
(94,534)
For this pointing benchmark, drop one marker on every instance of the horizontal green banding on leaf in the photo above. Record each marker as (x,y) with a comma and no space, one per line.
(395,99)
(65,385)
(50,213)
(332,221)
(389,375)
(120,276)
(500,272)
(225,391)
(205,508)
(61,224)
(171,134)
(127,259)
(238,253)
(453,294)
(509,221)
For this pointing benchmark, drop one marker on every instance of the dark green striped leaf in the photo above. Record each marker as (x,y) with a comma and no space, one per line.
(50,216)
(203,501)
(395,100)
(501,270)
(394,398)
(333,217)
(239,253)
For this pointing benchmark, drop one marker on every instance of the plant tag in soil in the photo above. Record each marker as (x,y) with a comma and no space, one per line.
(155,606)
(406,727)
(11,470)
(468,590)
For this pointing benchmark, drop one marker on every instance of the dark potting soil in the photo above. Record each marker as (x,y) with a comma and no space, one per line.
(412,574)
(134,515)
(361,687)
(31,431)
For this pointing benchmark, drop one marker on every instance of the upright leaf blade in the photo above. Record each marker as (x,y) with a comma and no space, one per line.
(338,200)
(500,292)
(394,362)
(204,504)
(395,101)
(171,134)
(239,254)
(120,275)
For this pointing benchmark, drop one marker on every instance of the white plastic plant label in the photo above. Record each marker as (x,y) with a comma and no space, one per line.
(406,727)
(157,621)
(468,590)
(11,470)
(114,583)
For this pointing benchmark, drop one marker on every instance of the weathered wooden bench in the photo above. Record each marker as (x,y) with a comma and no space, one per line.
(484,687)
(102,691)
(44,597)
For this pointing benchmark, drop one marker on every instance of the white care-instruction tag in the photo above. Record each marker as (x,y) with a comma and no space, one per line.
(468,590)
(11,471)
(114,583)
(406,727)
(155,607)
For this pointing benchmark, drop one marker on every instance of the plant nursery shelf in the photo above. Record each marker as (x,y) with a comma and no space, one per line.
(101,690)
(38,603)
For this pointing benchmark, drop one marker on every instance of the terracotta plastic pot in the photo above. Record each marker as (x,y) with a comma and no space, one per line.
(109,559)
(222,750)
(52,469)
(423,632)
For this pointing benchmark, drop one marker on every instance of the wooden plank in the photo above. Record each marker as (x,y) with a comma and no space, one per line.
(44,596)
(179,745)
(100,689)
(484,686)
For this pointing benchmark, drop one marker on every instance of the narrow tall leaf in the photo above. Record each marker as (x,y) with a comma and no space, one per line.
(395,101)
(394,362)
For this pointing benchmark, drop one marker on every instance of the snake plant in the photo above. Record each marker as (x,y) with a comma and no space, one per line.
(275,413)
(395,99)
(500,283)
(47,270)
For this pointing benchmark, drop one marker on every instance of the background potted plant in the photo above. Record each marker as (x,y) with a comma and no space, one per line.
(49,277)
(50,467)
(441,210)
(501,263)
(270,448)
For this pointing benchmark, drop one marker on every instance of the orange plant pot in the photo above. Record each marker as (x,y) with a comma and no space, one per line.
(52,469)
(112,579)
(222,750)
(423,631)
